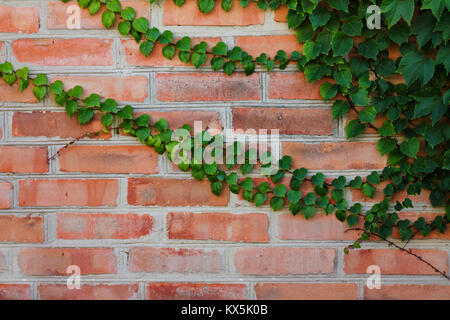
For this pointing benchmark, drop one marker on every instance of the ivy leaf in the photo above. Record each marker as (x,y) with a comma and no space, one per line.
(285,162)
(294,19)
(396,9)
(217,63)
(339,4)
(328,91)
(368,114)
(311,49)
(205,6)
(436,6)
(354,128)
(386,145)
(294,196)
(85,115)
(198,59)
(184,44)
(146,47)
(128,14)
(124,27)
(399,33)
(143,133)
(152,34)
(343,77)
(340,108)
(143,120)
(126,113)
(414,66)
(318,179)
(40,80)
(107,120)
(161,125)
(410,147)
(71,107)
(280,190)
(216,187)
(168,51)
(310,199)
(368,49)
(39,92)
(260,199)
(57,87)
(229,67)
(141,25)
(368,190)
(276,203)
(341,44)
(319,17)
(353,27)
(108,19)
(247,184)
(308,211)
(113,5)
(315,71)
(109,105)
(305,32)
(352,220)
(93,100)
(387,129)
(227,4)
(220,49)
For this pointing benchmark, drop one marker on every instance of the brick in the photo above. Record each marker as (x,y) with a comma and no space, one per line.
(5,195)
(335,155)
(19,19)
(89,292)
(156,59)
(15,292)
(293,85)
(23,159)
(120,88)
(54,261)
(358,196)
(3,263)
(58,15)
(64,52)
(265,44)
(12,93)
(207,87)
(109,159)
(284,261)
(54,124)
(103,226)
(408,292)
(319,227)
(195,291)
(394,261)
(306,291)
(21,229)
(281,14)
(174,260)
(64,192)
(173,192)
(189,15)
(252,227)
(287,121)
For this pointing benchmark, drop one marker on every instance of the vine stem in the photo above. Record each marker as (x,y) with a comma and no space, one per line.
(408,251)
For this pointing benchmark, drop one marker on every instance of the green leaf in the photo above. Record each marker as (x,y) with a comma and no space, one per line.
(360,97)
(353,27)
(109,105)
(198,59)
(57,87)
(75,92)
(319,17)
(343,77)
(247,184)
(94,6)
(143,133)
(71,107)
(216,187)
(107,120)
(205,6)
(354,128)
(152,34)
(308,211)
(126,113)
(128,14)
(373,178)
(228,67)
(217,63)
(414,66)
(436,6)
(168,51)
(85,115)
(318,179)
(423,27)
(124,27)
(141,25)
(368,190)
(311,49)
(396,9)
(352,220)
(146,47)
(339,4)
(410,147)
(114,5)
(341,44)
(285,162)
(184,44)
(386,145)
(328,91)
(260,199)
(294,196)
(220,49)
(39,92)
(93,100)
(315,71)
(40,80)
(143,120)
(340,108)
(387,129)
(108,19)
(310,199)
(227,4)
(399,33)
(280,190)
(305,32)
(276,203)
(368,114)
(294,19)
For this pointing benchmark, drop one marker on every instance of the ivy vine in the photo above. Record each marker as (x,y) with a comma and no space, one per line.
(361,77)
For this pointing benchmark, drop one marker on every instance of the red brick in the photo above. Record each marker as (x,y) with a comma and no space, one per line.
(293,85)
(19,19)
(288,121)
(54,261)
(64,52)
(120,88)
(281,14)
(358,196)
(252,227)
(103,226)
(15,292)
(5,195)
(284,261)
(12,93)
(174,260)
(207,87)
(156,59)
(394,261)
(54,124)
(89,292)
(319,227)
(265,44)
(23,159)
(408,292)
(173,192)
(109,159)
(21,229)
(306,291)
(57,15)
(189,15)
(335,155)
(195,291)
(62,192)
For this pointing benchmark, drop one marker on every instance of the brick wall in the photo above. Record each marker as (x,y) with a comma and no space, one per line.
(140,229)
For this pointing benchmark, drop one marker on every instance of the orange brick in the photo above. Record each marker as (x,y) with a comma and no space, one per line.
(44,193)
(306,291)
(335,155)
(54,261)
(58,15)
(54,124)
(284,261)
(120,88)
(394,261)
(21,229)
(281,14)
(19,19)
(251,227)
(109,159)
(64,52)
(189,15)
(207,87)
(408,292)
(265,44)
(103,226)
(89,292)
(287,121)
(293,85)
(5,195)
(173,192)
(156,59)
(23,159)
(174,260)
(15,292)
(195,291)
(12,93)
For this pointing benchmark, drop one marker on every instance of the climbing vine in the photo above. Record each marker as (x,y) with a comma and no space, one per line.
(359,75)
